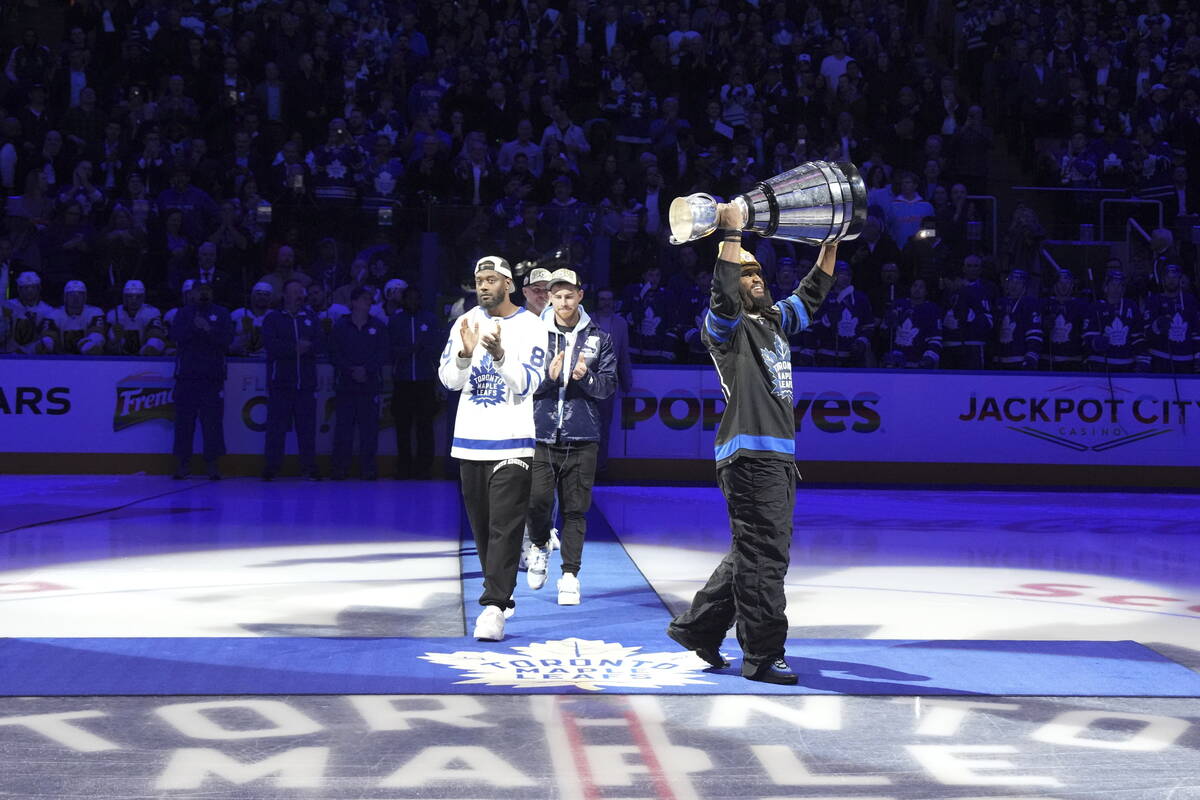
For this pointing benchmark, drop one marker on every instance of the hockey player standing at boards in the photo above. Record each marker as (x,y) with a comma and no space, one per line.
(756,457)
(496,357)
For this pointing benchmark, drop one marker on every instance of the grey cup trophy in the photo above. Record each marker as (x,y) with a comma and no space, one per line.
(816,203)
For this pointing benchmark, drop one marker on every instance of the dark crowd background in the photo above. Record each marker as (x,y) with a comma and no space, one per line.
(1031,165)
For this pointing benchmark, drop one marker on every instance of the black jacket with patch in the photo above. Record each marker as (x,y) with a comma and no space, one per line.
(754,364)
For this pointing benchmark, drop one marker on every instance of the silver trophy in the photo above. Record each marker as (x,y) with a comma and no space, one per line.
(816,203)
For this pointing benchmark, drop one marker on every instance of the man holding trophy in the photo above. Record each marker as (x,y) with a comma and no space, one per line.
(746,335)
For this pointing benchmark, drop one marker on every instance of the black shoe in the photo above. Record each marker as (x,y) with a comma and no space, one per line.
(337,475)
(181,474)
(776,671)
(370,476)
(214,474)
(268,475)
(709,653)
(312,475)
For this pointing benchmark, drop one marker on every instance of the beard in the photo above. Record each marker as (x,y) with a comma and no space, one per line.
(757,304)
(491,301)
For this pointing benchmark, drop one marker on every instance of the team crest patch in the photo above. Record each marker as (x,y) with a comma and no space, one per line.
(487,386)
(779,363)
(594,665)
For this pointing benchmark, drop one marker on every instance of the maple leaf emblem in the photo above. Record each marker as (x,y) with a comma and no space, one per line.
(907,333)
(1062,330)
(336,169)
(1117,332)
(593,665)
(779,363)
(487,386)
(848,324)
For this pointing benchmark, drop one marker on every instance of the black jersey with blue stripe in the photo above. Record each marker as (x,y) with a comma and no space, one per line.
(754,363)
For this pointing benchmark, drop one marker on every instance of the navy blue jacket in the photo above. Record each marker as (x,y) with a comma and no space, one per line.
(571,413)
(416,341)
(352,346)
(199,353)
(287,368)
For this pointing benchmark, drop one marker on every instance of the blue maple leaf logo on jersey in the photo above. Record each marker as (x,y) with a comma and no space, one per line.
(779,363)
(487,387)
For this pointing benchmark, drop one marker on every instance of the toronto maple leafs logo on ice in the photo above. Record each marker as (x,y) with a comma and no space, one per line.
(779,362)
(487,387)
(593,665)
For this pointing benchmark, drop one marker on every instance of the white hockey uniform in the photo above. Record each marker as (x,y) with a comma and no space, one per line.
(495,411)
(127,334)
(32,327)
(81,333)
(247,333)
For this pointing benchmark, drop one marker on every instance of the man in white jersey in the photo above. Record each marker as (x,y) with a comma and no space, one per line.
(128,323)
(248,321)
(31,317)
(496,357)
(79,327)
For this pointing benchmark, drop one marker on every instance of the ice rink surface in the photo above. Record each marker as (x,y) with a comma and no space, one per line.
(142,556)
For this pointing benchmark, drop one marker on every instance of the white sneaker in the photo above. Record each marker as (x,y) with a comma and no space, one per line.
(568,590)
(509,610)
(555,544)
(538,559)
(489,625)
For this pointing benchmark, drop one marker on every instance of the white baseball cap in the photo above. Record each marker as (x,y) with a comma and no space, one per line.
(134,287)
(495,264)
(29,279)
(538,275)
(563,276)
(395,285)
(74,286)
(262,286)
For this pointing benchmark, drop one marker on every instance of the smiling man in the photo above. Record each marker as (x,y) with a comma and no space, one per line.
(495,356)
(582,372)
(746,335)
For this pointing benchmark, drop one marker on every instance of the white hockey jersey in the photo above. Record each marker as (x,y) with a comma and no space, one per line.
(125,332)
(495,411)
(30,326)
(247,332)
(80,333)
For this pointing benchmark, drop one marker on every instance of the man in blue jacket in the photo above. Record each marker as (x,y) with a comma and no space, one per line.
(416,343)
(582,372)
(291,337)
(202,333)
(358,350)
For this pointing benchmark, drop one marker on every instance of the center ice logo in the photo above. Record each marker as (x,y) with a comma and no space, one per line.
(487,386)
(592,665)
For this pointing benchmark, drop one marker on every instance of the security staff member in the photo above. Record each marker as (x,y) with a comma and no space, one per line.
(416,341)
(291,337)
(358,350)
(202,333)
(756,456)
